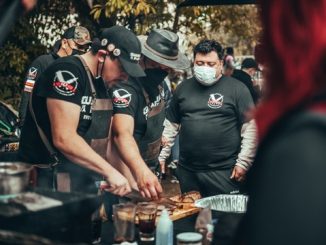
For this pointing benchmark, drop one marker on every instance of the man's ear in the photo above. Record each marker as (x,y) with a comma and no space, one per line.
(64,42)
(102,55)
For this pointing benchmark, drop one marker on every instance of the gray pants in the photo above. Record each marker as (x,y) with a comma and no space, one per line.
(208,183)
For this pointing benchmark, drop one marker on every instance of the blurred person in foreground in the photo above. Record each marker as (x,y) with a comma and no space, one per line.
(217,140)
(287,195)
(65,134)
(139,111)
(9,11)
(75,40)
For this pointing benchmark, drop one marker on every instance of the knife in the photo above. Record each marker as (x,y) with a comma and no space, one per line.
(135,195)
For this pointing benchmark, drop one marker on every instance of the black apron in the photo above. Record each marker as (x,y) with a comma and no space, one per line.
(149,145)
(97,136)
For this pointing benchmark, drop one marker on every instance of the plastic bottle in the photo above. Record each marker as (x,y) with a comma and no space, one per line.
(164,230)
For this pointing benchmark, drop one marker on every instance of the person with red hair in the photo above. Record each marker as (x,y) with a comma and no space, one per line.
(287,194)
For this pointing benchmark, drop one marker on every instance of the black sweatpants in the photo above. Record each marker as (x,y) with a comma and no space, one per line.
(209,183)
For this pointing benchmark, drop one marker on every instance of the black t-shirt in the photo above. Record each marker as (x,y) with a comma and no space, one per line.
(211,119)
(128,98)
(65,79)
(37,67)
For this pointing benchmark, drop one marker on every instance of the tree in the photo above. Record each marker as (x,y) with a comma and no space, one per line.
(232,25)
(36,32)
(33,35)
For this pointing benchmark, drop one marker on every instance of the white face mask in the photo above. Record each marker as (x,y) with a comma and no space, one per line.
(205,75)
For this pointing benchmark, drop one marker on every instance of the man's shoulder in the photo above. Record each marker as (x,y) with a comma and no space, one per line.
(186,83)
(233,82)
(129,85)
(67,64)
(241,75)
(42,61)
(229,79)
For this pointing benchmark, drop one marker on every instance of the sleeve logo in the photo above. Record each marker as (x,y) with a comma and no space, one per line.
(65,83)
(121,98)
(32,73)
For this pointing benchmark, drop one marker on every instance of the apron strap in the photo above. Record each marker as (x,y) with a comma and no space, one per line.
(89,75)
(44,139)
(146,96)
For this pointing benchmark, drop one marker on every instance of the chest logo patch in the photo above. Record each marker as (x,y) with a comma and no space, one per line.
(215,101)
(65,83)
(121,98)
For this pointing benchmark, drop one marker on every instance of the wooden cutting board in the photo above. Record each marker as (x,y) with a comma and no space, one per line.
(178,213)
(182,213)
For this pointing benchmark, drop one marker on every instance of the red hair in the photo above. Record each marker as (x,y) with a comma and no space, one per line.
(294,55)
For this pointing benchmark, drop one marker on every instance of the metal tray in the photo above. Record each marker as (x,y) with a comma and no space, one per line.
(224,203)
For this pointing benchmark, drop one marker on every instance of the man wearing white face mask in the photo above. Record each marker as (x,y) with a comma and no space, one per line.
(217,141)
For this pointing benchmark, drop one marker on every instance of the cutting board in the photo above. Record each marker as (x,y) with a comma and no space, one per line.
(182,213)
(178,213)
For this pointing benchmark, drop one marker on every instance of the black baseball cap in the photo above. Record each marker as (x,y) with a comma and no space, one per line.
(79,34)
(249,63)
(125,45)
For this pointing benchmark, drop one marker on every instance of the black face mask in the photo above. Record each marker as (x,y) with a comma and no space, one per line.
(77,52)
(154,77)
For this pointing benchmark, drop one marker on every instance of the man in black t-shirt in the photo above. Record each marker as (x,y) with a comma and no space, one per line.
(217,141)
(75,40)
(66,128)
(139,113)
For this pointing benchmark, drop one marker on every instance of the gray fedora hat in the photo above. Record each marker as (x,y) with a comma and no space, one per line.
(161,46)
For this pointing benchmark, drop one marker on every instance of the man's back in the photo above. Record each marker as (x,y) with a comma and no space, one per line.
(37,67)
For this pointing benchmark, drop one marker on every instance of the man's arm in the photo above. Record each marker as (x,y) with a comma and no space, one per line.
(248,150)
(122,130)
(64,117)
(170,132)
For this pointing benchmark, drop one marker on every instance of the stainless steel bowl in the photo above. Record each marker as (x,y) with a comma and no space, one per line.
(224,203)
(14,177)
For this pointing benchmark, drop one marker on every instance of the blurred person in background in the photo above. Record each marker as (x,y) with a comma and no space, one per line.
(228,62)
(287,195)
(75,40)
(9,10)
(249,67)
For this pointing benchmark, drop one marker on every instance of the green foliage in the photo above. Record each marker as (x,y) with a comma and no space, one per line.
(234,25)
(33,35)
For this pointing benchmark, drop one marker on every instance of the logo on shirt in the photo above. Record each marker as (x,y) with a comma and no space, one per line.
(215,101)
(65,83)
(32,73)
(121,98)
(153,104)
